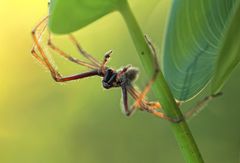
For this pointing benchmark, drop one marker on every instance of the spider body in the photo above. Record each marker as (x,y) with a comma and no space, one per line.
(112,79)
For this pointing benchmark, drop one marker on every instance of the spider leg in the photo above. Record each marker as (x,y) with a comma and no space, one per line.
(125,101)
(135,95)
(153,105)
(163,116)
(44,60)
(200,106)
(105,60)
(83,52)
(34,53)
(68,57)
(143,104)
(154,76)
(150,107)
(40,60)
(77,76)
(37,45)
(133,92)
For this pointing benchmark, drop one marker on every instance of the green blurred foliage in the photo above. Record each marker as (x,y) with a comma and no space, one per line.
(195,35)
(79,122)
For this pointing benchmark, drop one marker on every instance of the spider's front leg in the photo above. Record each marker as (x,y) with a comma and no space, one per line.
(83,52)
(67,56)
(43,59)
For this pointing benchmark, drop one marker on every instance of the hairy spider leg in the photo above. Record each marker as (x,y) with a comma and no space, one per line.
(153,78)
(83,52)
(54,73)
(67,56)
(147,106)
(200,106)
(34,53)
(144,104)
(44,60)
(135,94)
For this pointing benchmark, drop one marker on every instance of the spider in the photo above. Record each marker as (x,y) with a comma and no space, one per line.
(123,78)
(111,78)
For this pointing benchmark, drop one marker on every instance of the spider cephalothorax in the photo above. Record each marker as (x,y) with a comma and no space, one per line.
(120,78)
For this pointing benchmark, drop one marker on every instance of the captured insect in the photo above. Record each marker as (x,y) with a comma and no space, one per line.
(111,78)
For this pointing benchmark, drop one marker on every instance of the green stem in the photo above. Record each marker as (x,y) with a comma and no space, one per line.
(181,130)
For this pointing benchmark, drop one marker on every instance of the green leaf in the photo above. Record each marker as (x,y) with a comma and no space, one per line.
(229,55)
(69,16)
(195,34)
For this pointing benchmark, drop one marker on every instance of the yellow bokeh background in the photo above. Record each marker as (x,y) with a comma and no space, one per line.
(79,122)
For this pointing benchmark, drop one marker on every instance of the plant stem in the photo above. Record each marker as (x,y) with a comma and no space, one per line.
(181,130)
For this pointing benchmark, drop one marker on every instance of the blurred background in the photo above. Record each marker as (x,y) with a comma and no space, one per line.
(79,122)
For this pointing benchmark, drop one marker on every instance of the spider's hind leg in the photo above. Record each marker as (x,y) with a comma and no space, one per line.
(200,106)
(154,76)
